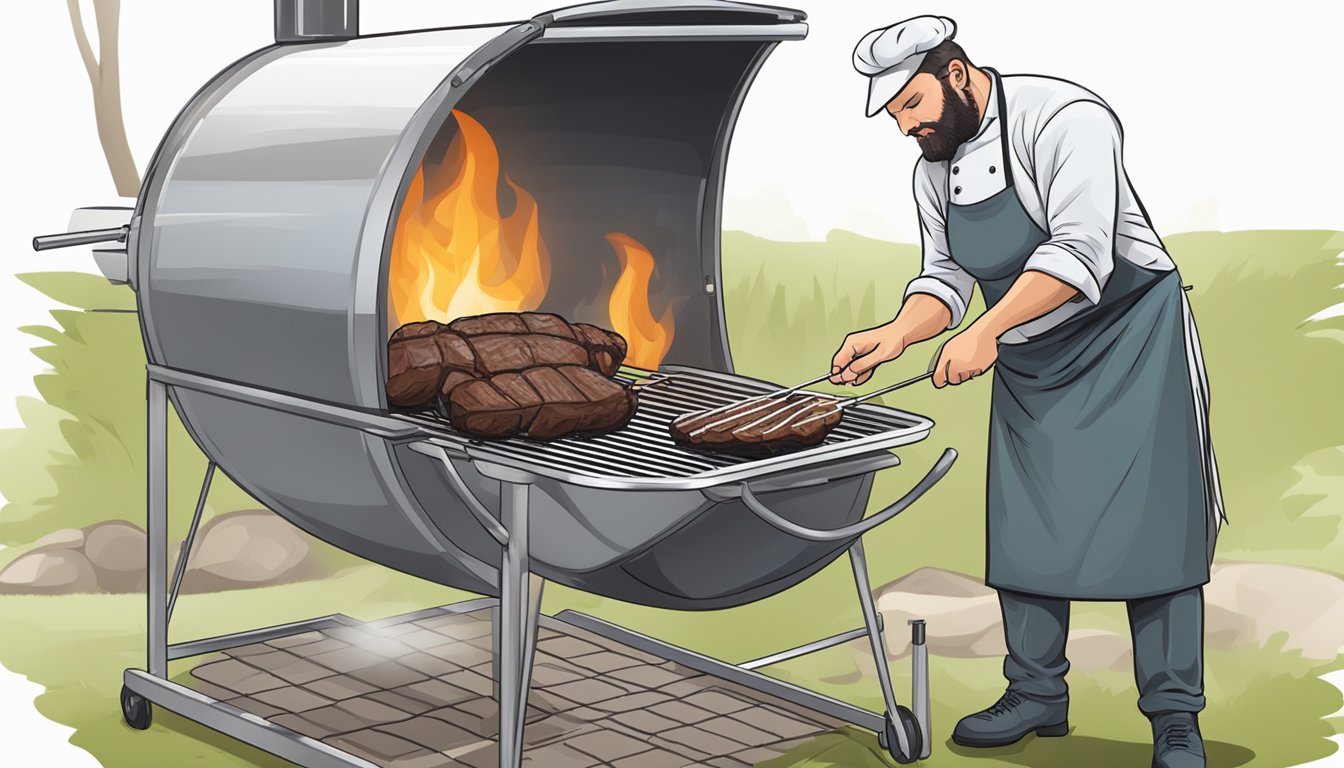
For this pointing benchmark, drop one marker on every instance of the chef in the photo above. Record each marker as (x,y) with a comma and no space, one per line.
(1102,483)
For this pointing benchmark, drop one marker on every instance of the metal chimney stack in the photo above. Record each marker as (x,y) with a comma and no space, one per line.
(301,21)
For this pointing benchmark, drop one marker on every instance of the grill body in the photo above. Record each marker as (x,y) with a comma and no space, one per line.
(260,249)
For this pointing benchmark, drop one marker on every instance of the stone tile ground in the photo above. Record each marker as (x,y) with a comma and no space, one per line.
(419,695)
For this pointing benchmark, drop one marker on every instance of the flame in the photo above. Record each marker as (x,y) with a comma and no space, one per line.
(453,253)
(631,316)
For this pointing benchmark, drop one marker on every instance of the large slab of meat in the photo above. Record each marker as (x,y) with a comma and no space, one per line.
(757,428)
(502,374)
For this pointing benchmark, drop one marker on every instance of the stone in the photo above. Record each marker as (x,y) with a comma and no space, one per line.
(388,674)
(681,712)
(249,548)
(339,687)
(702,741)
(738,731)
(117,551)
(646,676)
(377,746)
(1252,602)
(645,721)
(773,721)
(291,699)
(588,691)
(237,676)
(53,572)
(716,701)
(435,735)
(62,538)
(608,745)
(637,700)
(962,614)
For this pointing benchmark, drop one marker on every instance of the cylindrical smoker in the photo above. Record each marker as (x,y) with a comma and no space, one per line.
(260,251)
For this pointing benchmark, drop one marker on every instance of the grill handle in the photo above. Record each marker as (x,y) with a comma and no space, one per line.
(88,237)
(858,529)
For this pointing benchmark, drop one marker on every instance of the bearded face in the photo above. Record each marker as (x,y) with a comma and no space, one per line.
(958,124)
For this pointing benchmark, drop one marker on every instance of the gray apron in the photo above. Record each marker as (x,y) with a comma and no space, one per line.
(1097,479)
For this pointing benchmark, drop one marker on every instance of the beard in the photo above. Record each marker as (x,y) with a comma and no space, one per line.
(958,124)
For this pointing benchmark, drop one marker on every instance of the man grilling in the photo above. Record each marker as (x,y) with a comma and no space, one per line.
(1102,483)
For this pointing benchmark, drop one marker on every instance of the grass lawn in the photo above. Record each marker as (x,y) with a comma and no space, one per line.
(1276,424)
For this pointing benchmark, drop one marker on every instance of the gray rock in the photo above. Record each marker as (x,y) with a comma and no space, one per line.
(117,551)
(962,614)
(64,538)
(51,572)
(249,548)
(1251,602)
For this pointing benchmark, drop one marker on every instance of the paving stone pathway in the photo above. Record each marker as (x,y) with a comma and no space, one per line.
(419,695)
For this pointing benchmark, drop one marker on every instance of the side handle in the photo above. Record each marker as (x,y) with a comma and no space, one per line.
(87,237)
(855,530)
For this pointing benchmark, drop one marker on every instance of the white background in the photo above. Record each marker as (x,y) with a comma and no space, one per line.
(1233,115)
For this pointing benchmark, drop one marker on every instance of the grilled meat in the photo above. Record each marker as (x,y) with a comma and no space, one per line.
(760,427)
(542,402)
(427,359)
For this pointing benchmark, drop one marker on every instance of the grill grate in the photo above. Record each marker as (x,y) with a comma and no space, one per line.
(644,449)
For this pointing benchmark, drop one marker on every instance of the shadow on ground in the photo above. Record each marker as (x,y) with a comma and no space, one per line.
(1072,751)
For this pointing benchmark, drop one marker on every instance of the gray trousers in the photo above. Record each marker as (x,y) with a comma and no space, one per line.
(1168,635)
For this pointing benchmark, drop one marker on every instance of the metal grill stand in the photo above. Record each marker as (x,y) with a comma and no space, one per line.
(906,734)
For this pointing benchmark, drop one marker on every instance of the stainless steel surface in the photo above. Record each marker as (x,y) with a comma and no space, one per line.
(853,400)
(677,32)
(513,620)
(854,530)
(266,220)
(156,531)
(859,563)
(244,726)
(642,455)
(733,673)
(184,556)
(300,21)
(225,642)
(633,9)
(919,685)
(88,237)
(805,649)
(492,526)
(776,394)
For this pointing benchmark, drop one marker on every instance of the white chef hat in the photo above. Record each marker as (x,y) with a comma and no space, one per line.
(890,56)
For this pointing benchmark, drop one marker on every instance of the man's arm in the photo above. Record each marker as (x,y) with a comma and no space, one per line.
(934,301)
(1078,170)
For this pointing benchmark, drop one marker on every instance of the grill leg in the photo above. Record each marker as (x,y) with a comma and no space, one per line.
(156,531)
(870,619)
(513,625)
(176,585)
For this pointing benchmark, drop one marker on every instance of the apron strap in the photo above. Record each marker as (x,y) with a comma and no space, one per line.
(1003,125)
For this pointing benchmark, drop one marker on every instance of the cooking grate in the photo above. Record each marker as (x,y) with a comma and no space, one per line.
(644,450)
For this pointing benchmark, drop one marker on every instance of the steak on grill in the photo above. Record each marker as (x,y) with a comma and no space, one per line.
(429,359)
(606,349)
(760,427)
(543,402)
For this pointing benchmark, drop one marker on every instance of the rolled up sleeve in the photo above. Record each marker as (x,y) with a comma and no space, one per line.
(1078,168)
(939,277)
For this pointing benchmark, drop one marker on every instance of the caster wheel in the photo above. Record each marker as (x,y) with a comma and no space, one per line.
(136,709)
(892,743)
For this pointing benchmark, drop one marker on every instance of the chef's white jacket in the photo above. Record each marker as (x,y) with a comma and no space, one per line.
(1065,153)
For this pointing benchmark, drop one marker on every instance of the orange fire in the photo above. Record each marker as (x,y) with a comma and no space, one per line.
(455,254)
(631,315)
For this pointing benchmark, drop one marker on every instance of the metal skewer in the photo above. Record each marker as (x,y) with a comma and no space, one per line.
(841,405)
(737,403)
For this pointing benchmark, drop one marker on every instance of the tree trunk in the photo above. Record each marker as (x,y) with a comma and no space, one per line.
(105,80)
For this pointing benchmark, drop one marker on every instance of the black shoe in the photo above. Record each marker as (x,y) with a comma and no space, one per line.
(1176,741)
(1012,717)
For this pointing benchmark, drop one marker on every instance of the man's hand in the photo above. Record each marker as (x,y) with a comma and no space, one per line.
(863,351)
(965,356)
